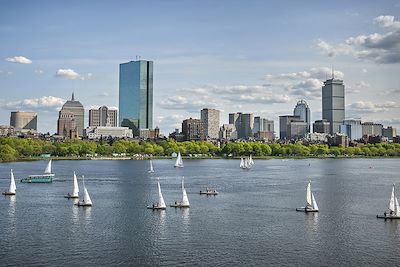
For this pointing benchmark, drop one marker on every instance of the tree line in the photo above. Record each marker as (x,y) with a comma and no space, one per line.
(12,149)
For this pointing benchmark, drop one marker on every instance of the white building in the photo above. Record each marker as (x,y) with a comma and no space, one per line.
(210,119)
(102,131)
(352,128)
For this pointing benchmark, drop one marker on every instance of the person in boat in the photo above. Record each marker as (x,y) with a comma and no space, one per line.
(384,214)
(68,195)
(176,203)
(391,213)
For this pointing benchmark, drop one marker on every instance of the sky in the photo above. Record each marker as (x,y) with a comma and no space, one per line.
(237,56)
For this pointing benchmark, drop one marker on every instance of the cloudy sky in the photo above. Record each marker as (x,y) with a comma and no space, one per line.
(249,56)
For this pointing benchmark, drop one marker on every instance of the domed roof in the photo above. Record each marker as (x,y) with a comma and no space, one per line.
(73,103)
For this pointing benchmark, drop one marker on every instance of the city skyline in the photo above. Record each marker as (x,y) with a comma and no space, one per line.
(262,64)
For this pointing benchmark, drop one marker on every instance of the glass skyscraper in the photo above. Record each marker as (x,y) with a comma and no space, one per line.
(136,94)
(303,111)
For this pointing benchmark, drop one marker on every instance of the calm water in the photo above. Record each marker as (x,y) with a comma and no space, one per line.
(252,222)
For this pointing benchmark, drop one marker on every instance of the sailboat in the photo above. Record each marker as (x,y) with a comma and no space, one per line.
(241,165)
(311,202)
(251,161)
(47,177)
(179,161)
(185,201)
(151,167)
(86,202)
(12,190)
(160,205)
(75,190)
(393,209)
(246,163)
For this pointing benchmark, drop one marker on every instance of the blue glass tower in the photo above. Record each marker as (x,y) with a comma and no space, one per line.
(136,94)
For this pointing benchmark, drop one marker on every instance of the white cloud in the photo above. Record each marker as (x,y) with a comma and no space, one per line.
(367,106)
(45,103)
(19,59)
(73,75)
(378,47)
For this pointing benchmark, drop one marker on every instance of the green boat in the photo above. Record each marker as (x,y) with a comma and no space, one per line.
(47,177)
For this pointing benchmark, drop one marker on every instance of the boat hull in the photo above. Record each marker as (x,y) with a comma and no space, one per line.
(71,196)
(38,179)
(208,193)
(156,208)
(387,217)
(9,194)
(179,206)
(80,204)
(306,210)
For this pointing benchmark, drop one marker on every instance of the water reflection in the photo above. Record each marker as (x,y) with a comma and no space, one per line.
(87,214)
(393,227)
(12,203)
(312,221)
(75,211)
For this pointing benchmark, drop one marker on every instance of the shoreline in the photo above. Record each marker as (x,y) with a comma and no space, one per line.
(202,157)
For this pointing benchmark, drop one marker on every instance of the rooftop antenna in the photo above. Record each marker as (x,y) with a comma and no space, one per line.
(73,97)
(333,73)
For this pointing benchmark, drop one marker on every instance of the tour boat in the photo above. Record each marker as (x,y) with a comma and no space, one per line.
(12,190)
(209,192)
(160,205)
(311,202)
(75,189)
(185,201)
(86,202)
(179,161)
(151,167)
(47,177)
(394,209)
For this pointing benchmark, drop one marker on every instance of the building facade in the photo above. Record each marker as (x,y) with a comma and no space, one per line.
(99,132)
(284,122)
(303,111)
(333,103)
(210,119)
(136,93)
(243,123)
(193,130)
(228,132)
(296,130)
(372,129)
(321,126)
(23,120)
(352,128)
(103,117)
(389,132)
(71,119)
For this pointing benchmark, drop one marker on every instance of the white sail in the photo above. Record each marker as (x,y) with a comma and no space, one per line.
(151,166)
(75,191)
(12,188)
(179,161)
(241,163)
(309,195)
(48,168)
(185,200)
(251,161)
(315,206)
(161,202)
(392,200)
(397,208)
(86,197)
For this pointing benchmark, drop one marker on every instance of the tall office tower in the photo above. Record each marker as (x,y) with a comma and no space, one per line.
(303,111)
(352,128)
(333,100)
(136,95)
(210,119)
(192,129)
(23,120)
(71,119)
(244,124)
(103,117)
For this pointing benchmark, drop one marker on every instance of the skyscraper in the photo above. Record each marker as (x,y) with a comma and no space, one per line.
(210,119)
(136,94)
(71,119)
(333,103)
(243,123)
(103,117)
(303,111)
(192,129)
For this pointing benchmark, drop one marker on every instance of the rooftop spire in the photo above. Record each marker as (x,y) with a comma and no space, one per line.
(73,97)
(333,73)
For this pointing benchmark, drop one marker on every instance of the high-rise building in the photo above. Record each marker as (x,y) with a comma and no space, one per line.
(389,132)
(71,119)
(136,94)
(372,129)
(284,122)
(296,130)
(243,123)
(103,117)
(228,132)
(210,119)
(193,129)
(333,101)
(262,125)
(352,128)
(303,111)
(321,126)
(23,120)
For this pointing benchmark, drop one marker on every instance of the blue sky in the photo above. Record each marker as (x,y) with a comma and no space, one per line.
(250,56)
